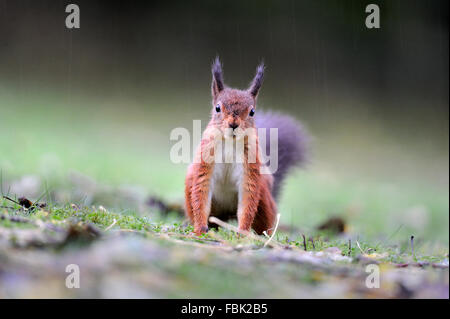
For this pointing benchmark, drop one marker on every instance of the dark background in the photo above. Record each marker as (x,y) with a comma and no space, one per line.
(310,47)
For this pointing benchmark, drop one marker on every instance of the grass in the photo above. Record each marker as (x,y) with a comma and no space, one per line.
(104,219)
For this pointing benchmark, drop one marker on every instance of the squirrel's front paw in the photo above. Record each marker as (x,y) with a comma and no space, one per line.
(201,230)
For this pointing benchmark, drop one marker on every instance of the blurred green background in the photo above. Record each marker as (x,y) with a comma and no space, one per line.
(101,100)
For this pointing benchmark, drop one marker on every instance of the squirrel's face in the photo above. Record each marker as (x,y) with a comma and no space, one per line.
(232,109)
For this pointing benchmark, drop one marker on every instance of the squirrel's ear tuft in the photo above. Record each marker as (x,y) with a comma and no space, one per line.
(217,78)
(257,80)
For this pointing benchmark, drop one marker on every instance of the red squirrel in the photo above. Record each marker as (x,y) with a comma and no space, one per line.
(240,188)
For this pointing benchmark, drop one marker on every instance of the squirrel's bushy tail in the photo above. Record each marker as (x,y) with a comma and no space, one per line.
(293,143)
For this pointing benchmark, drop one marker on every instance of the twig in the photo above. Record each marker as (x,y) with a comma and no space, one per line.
(274,231)
(217,221)
(10,199)
(349,247)
(412,246)
(110,226)
(304,242)
(357,244)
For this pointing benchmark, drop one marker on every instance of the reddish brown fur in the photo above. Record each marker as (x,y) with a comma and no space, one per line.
(257,208)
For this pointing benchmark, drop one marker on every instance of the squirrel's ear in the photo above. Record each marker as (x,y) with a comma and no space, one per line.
(217,78)
(257,80)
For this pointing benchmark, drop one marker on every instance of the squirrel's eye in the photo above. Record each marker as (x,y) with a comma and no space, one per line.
(217,108)
(252,112)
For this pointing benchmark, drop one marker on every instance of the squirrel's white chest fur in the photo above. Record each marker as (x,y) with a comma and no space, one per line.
(225,185)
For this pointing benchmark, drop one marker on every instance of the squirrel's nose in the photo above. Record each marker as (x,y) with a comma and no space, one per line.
(233,125)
